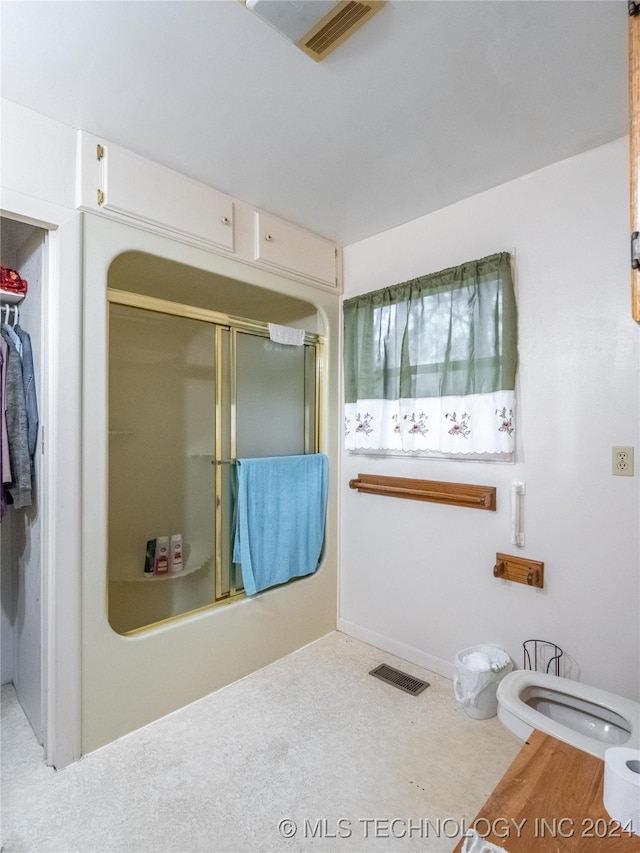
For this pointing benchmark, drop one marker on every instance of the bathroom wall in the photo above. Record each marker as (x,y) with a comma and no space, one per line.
(416,578)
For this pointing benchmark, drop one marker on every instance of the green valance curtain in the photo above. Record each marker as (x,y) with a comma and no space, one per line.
(430,364)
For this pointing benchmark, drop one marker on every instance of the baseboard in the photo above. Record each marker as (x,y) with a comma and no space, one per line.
(401,650)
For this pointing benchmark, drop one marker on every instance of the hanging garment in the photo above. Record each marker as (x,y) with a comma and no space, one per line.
(29,383)
(281,512)
(11,332)
(4,441)
(4,437)
(17,429)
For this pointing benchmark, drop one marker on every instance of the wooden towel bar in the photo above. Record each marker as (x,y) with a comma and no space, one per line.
(436,491)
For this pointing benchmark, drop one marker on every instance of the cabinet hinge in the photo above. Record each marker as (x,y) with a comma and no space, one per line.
(100,197)
(635,250)
(99,152)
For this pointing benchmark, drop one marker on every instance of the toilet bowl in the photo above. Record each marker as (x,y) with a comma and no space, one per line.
(585,717)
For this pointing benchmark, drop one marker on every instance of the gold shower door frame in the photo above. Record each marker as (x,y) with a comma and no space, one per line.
(225,439)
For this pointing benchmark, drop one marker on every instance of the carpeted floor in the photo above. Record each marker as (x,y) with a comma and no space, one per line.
(310,753)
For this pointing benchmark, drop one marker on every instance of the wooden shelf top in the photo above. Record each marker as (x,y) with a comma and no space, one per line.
(550,801)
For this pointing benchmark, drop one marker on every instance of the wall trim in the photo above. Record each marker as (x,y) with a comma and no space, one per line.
(401,650)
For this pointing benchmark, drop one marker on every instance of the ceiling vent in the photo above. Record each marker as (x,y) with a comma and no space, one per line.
(316,26)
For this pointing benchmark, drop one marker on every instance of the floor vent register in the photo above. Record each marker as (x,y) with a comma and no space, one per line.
(399,679)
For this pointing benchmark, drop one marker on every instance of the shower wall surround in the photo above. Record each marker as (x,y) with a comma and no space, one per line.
(129,648)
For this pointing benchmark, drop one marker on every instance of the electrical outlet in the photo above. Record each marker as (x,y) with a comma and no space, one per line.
(622,461)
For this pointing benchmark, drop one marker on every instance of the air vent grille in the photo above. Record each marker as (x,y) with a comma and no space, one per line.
(399,679)
(336,27)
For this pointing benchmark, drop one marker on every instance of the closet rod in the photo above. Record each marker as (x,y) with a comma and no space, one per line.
(6,308)
(436,491)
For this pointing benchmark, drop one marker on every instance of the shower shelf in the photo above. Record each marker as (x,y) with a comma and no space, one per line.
(169,576)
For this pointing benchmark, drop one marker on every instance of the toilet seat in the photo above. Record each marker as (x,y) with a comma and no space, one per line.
(578,704)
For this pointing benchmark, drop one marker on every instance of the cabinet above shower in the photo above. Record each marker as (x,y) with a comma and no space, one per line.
(119,184)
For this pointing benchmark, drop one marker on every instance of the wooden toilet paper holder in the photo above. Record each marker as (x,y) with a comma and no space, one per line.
(519,569)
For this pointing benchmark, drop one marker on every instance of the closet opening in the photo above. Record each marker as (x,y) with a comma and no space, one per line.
(194,383)
(22,513)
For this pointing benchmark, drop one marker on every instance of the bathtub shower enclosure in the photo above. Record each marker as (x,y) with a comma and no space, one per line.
(181,379)
(191,390)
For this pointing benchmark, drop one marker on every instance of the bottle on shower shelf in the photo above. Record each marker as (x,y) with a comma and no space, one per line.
(161,566)
(176,560)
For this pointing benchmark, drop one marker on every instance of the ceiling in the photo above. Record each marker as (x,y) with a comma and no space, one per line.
(429,102)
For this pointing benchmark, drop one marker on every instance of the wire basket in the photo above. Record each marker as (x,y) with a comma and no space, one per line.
(542,656)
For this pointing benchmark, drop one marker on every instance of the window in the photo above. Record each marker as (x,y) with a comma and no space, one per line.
(430,364)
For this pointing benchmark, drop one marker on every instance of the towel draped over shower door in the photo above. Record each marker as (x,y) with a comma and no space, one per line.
(281,514)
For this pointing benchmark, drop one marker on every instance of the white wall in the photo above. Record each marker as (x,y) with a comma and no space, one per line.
(416,578)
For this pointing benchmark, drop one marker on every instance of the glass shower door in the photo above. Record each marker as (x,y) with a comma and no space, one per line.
(162,452)
(275,411)
(276,398)
(189,395)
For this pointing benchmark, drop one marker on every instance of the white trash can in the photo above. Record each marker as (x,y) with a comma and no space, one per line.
(479,670)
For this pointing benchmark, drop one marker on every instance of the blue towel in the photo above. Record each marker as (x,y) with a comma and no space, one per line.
(281,513)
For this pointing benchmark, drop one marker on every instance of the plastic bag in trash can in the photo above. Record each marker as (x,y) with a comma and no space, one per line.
(479,669)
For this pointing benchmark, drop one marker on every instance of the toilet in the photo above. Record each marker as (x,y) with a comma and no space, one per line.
(590,719)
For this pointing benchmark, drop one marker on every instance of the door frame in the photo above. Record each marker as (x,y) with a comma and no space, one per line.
(60,444)
(634,147)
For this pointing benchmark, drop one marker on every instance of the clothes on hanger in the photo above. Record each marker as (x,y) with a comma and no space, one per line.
(29,383)
(18,491)
(18,410)
(5,465)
